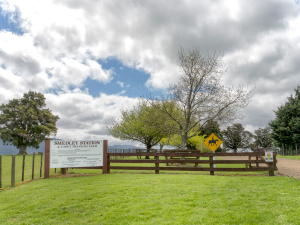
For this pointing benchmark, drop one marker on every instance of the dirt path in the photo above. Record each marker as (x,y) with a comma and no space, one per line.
(289,167)
(286,167)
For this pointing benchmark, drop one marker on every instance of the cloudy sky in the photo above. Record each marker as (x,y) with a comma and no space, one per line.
(92,58)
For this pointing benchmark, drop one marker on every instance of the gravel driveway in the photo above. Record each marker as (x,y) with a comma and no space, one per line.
(289,167)
(286,167)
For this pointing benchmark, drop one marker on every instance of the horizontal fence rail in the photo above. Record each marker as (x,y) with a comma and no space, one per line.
(255,162)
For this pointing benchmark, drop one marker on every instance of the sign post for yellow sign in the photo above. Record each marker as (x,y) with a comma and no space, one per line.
(213,142)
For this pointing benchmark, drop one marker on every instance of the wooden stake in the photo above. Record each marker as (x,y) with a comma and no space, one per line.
(211,165)
(156,164)
(23,167)
(32,175)
(41,165)
(13,167)
(0,171)
(63,171)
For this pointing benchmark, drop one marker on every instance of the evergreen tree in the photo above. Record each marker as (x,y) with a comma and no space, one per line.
(286,125)
(25,122)
(236,136)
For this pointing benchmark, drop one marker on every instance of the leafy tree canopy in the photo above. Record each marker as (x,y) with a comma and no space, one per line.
(236,136)
(25,122)
(175,141)
(286,125)
(143,123)
(263,137)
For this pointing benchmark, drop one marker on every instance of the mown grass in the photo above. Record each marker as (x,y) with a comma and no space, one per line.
(153,199)
(288,157)
(6,169)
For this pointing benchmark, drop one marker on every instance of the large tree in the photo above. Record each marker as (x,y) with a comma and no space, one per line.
(200,95)
(263,137)
(26,122)
(236,136)
(286,125)
(142,123)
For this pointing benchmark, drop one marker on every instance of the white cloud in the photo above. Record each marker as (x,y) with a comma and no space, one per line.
(64,40)
(82,116)
(120,83)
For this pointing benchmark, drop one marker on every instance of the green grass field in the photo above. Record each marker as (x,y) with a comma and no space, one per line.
(133,197)
(289,157)
(120,198)
(6,169)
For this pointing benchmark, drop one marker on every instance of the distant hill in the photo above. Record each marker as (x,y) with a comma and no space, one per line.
(10,149)
(123,146)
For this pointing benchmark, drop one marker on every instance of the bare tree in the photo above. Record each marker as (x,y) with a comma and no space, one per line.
(200,96)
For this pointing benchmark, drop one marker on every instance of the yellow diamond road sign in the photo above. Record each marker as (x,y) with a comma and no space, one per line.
(213,142)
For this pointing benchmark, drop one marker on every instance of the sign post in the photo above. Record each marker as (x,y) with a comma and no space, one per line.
(213,143)
(75,154)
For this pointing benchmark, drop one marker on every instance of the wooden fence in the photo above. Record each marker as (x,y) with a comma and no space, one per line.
(13,168)
(254,162)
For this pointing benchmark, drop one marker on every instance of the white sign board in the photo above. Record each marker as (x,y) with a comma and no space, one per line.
(269,156)
(66,154)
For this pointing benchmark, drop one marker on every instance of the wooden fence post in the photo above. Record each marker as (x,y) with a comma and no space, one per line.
(23,167)
(156,164)
(211,165)
(0,171)
(41,167)
(32,175)
(108,164)
(13,167)
(47,159)
(104,167)
(271,168)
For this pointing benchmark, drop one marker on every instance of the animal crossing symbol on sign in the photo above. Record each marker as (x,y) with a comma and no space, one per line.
(213,142)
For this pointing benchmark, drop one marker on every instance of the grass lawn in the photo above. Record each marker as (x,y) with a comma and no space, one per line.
(6,169)
(288,157)
(153,199)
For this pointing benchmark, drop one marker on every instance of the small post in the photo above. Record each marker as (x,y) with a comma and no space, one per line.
(212,172)
(0,171)
(156,164)
(23,167)
(13,167)
(32,175)
(257,164)
(41,167)
(55,170)
(63,171)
